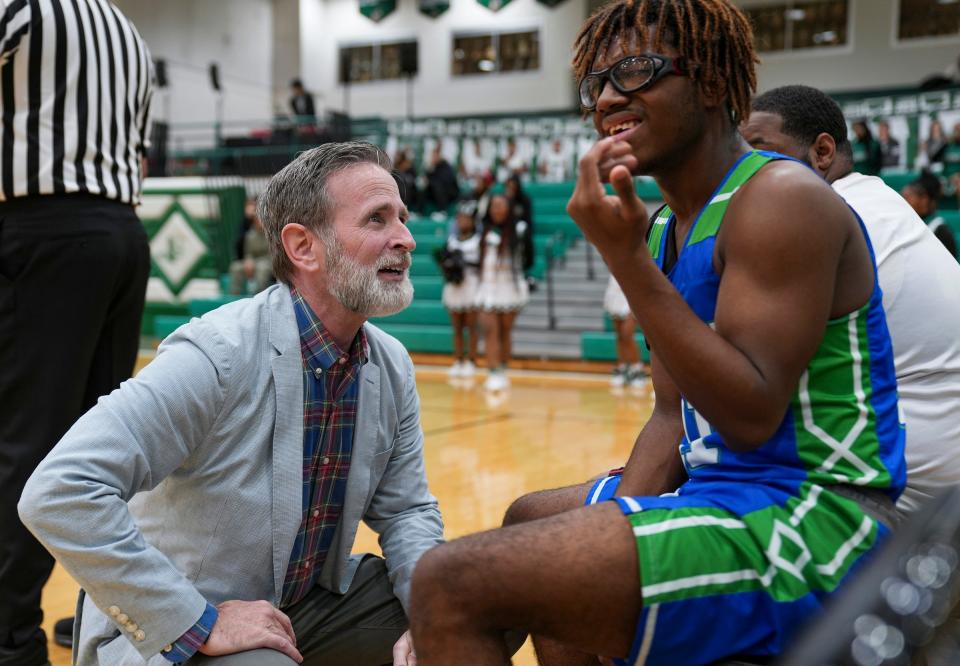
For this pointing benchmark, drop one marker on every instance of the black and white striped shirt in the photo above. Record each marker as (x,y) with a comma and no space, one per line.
(75,90)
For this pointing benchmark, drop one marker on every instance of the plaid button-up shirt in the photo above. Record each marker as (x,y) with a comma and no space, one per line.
(330,390)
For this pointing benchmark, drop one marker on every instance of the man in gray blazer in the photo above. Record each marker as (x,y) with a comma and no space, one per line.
(210,504)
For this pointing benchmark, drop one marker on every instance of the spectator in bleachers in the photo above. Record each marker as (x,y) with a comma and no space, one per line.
(503,287)
(923,195)
(301,102)
(461,271)
(889,146)
(512,161)
(407,179)
(866,150)
(628,371)
(253,272)
(933,148)
(951,161)
(477,159)
(442,188)
(555,164)
(249,211)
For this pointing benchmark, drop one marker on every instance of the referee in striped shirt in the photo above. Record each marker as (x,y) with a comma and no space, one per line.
(75,89)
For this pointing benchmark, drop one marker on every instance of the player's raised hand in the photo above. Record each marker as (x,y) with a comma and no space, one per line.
(615,224)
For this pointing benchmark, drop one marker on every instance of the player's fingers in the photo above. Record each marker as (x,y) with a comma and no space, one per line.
(622,182)
(607,166)
(588,175)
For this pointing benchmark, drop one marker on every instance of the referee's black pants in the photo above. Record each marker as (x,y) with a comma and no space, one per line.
(73,274)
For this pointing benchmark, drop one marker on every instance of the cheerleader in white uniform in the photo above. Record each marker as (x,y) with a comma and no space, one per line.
(628,371)
(460,298)
(503,287)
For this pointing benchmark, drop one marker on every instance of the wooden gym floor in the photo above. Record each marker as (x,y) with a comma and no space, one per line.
(548,430)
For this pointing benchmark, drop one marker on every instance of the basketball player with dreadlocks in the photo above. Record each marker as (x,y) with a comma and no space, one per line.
(772,369)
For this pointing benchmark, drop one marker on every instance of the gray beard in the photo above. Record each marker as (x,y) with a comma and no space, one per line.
(358,288)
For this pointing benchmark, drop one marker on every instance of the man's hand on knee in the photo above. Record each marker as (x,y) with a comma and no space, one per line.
(250,625)
(403,654)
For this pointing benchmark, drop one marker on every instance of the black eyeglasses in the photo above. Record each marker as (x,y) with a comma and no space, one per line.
(629,75)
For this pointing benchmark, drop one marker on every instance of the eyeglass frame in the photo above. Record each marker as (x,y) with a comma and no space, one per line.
(660,69)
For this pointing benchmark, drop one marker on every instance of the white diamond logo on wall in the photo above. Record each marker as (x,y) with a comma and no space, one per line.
(176,248)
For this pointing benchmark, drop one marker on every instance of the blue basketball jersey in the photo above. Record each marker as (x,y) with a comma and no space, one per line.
(842,425)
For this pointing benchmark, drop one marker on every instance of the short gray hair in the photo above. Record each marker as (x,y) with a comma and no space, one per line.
(298,193)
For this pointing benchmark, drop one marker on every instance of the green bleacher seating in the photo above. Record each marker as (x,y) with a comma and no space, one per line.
(164,325)
(429,339)
(426,228)
(158,309)
(427,245)
(424,265)
(421,313)
(549,207)
(647,189)
(602,346)
(548,190)
(897,179)
(539,269)
(427,288)
(557,224)
(952,219)
(201,306)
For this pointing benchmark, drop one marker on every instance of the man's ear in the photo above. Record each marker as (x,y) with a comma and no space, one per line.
(823,152)
(302,246)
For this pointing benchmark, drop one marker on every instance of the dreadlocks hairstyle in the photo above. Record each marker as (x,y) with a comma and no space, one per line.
(713,37)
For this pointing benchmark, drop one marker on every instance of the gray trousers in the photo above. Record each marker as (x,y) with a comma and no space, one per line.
(358,628)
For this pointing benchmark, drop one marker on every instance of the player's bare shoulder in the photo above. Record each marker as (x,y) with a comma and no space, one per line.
(785,203)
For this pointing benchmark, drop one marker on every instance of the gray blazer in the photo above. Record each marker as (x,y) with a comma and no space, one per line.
(184,485)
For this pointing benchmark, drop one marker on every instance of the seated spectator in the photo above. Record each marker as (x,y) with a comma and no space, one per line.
(253,272)
(301,102)
(442,188)
(512,161)
(889,146)
(555,164)
(477,158)
(923,195)
(951,161)
(866,150)
(933,148)
(407,179)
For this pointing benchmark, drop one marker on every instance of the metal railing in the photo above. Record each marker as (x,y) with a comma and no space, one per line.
(548,278)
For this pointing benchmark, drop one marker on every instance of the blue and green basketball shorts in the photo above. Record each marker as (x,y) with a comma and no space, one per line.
(734,569)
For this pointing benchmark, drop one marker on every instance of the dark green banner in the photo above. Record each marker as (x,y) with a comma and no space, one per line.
(494,5)
(377,10)
(434,8)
